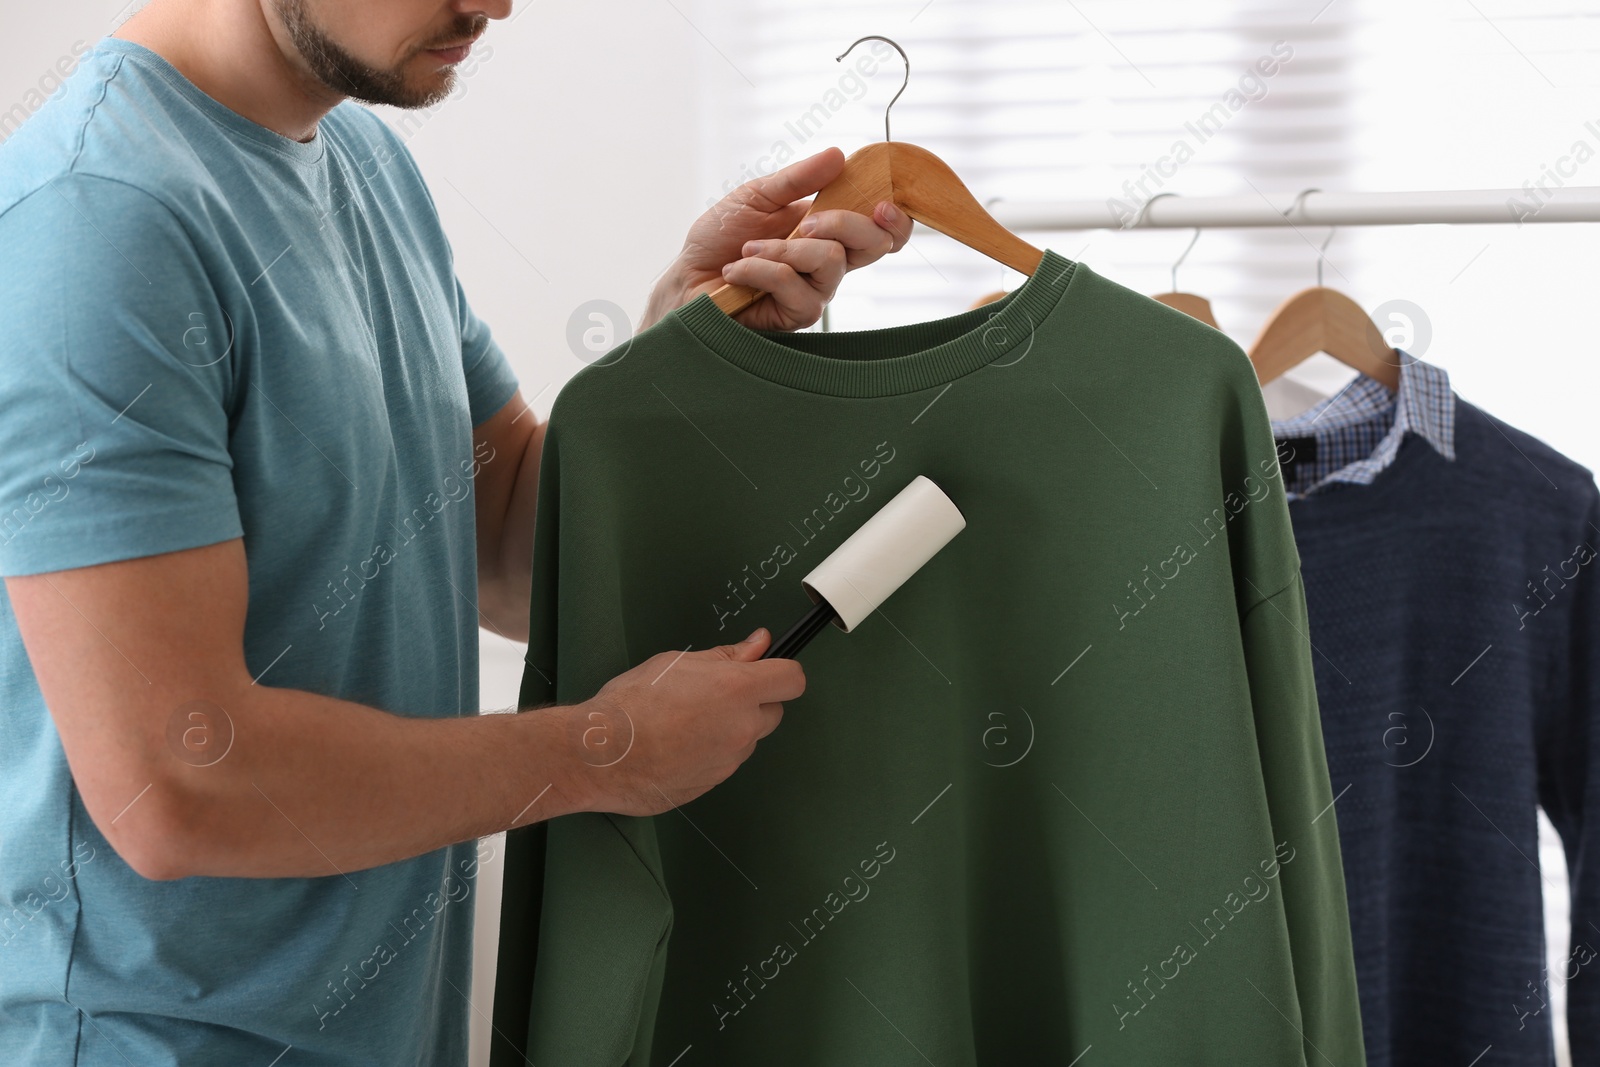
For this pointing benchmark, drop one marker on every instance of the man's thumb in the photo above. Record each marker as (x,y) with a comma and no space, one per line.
(751,647)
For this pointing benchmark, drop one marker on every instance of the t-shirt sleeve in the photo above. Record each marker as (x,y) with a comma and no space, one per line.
(490,379)
(116,367)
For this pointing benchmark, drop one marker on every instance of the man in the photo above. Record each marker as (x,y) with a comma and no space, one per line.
(244,400)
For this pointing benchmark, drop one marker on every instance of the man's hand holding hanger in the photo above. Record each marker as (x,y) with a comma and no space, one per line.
(744,239)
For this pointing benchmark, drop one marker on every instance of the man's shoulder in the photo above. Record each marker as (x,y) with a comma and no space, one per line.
(104,126)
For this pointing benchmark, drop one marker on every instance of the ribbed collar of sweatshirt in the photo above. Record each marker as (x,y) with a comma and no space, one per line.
(1353,435)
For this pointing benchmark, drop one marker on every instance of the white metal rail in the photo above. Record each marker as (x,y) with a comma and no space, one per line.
(1311,208)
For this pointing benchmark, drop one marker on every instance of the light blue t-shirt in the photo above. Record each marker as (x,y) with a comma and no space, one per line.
(210,331)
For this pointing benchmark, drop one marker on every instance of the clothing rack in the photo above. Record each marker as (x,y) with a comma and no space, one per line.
(1310,208)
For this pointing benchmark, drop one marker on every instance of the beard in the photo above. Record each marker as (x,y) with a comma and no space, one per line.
(346,75)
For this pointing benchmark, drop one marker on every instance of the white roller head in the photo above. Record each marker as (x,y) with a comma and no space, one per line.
(888,548)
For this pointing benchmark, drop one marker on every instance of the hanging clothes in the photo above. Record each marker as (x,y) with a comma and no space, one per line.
(1065,790)
(1448,562)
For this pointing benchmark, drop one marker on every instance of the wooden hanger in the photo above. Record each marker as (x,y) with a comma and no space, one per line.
(1321,319)
(921,185)
(1196,307)
(989,298)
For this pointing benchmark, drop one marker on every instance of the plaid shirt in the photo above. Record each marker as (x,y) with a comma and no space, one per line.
(1358,430)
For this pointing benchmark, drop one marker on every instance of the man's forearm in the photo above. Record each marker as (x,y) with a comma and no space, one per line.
(505,563)
(312,785)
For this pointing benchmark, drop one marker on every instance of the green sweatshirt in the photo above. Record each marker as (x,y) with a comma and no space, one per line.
(1063,795)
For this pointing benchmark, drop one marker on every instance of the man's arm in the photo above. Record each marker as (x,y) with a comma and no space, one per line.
(134,656)
(508,445)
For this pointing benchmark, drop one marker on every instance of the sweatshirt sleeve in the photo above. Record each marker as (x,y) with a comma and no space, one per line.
(585,917)
(1300,801)
(522,892)
(1569,789)
(1276,641)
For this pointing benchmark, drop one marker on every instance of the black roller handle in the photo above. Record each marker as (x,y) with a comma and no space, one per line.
(800,634)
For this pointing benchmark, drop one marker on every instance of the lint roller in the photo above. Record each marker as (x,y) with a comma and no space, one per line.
(873,562)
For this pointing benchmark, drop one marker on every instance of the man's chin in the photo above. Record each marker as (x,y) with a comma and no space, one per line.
(416,95)
(426,90)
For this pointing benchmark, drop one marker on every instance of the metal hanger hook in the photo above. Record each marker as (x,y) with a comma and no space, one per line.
(1299,202)
(1322,253)
(1144,211)
(1183,257)
(875,37)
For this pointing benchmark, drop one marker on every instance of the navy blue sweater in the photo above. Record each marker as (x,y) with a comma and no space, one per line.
(1455,617)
